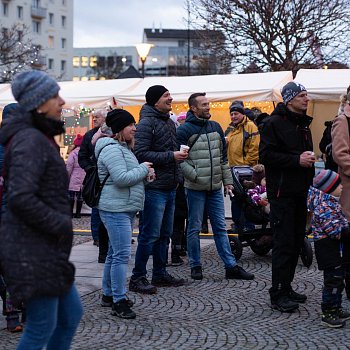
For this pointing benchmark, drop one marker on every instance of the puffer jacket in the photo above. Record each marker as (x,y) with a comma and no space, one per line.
(206,167)
(283,138)
(36,229)
(75,173)
(332,247)
(155,142)
(243,143)
(124,190)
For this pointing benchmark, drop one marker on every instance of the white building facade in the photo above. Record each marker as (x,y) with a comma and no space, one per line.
(50,24)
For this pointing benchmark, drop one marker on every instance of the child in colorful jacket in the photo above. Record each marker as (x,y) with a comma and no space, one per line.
(330,230)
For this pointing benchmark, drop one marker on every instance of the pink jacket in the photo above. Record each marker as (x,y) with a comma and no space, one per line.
(75,173)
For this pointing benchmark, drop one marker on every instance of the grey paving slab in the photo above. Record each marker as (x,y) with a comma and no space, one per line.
(210,314)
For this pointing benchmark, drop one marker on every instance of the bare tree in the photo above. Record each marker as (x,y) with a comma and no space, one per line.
(278,35)
(17,52)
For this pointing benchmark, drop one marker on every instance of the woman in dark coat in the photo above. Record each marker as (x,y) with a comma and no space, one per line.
(36,228)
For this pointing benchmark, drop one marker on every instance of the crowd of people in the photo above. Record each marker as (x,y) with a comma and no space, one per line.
(173,171)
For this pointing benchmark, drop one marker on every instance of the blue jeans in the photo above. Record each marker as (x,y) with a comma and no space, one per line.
(157,227)
(196,201)
(95,224)
(119,227)
(51,322)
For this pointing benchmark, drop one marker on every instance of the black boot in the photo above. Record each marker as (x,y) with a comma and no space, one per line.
(78,209)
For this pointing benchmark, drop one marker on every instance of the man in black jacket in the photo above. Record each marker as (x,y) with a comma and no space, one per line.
(86,159)
(155,142)
(286,152)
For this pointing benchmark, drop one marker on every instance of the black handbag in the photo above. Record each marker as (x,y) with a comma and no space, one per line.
(92,186)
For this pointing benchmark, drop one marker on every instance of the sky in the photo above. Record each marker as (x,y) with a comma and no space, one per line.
(121,22)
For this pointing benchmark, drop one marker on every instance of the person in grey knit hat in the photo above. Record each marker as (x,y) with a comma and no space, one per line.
(36,227)
(32,88)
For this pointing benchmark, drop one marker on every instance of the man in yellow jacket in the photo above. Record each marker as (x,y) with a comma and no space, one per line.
(242,137)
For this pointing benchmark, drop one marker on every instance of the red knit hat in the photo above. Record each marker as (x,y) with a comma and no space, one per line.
(78,140)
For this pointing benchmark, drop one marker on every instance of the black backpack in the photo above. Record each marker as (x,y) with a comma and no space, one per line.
(325,145)
(92,186)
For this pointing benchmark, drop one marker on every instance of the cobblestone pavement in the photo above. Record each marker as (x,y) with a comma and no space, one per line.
(210,314)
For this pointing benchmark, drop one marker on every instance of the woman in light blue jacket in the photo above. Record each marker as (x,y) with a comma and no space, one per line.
(122,196)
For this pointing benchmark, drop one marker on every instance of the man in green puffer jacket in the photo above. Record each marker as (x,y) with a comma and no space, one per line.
(205,172)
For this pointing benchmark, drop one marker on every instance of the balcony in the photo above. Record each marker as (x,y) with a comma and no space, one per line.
(38,12)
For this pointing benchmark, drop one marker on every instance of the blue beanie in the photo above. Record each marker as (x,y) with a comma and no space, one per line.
(33,88)
(290,90)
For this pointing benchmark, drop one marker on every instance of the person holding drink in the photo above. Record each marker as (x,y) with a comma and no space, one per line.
(121,198)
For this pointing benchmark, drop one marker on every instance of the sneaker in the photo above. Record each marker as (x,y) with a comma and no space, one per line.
(106,301)
(343,314)
(297,297)
(237,272)
(196,273)
(13,324)
(122,310)
(330,319)
(167,281)
(176,261)
(284,304)
(141,285)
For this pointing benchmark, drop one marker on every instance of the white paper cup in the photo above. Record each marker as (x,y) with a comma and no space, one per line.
(184,148)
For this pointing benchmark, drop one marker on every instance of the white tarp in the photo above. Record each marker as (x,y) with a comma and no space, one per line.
(131,92)
(324,84)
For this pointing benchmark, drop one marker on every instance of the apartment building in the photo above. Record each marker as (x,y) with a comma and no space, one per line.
(50,24)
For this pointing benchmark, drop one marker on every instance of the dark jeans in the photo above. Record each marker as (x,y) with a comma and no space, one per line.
(95,223)
(288,220)
(333,279)
(156,229)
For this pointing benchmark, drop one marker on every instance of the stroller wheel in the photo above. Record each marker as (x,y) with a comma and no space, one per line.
(258,248)
(306,253)
(236,247)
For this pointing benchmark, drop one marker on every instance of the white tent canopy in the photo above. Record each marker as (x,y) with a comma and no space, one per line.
(131,92)
(324,84)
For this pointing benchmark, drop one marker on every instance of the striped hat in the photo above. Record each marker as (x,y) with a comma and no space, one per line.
(326,180)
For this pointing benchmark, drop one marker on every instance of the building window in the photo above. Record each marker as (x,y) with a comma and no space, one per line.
(51,63)
(64,2)
(84,79)
(63,21)
(76,61)
(36,27)
(76,78)
(63,65)
(93,61)
(84,61)
(51,19)
(63,43)
(19,12)
(36,3)
(5,9)
(5,32)
(92,78)
(51,43)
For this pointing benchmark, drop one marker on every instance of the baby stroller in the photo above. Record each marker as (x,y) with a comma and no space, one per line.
(259,237)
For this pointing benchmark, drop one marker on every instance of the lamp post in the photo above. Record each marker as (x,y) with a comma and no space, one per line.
(143,51)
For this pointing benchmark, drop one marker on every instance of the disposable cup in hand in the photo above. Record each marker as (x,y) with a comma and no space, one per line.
(184,148)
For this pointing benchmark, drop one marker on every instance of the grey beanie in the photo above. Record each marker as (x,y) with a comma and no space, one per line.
(33,88)
(290,90)
(237,106)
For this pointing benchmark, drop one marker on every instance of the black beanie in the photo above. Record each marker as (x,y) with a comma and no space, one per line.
(118,119)
(154,93)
